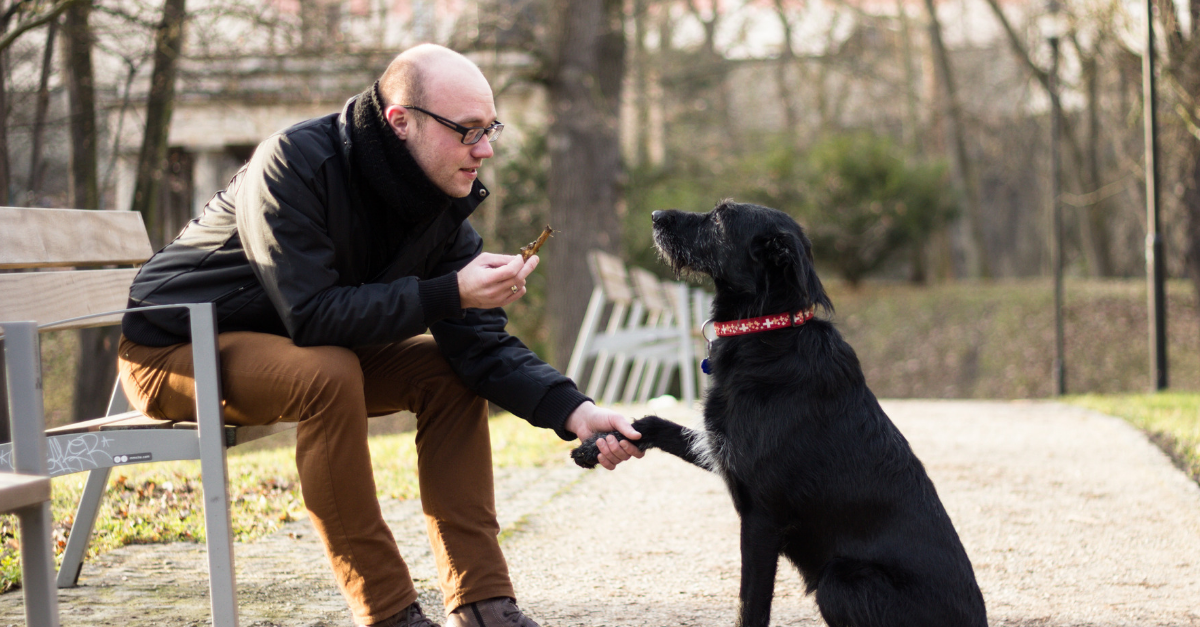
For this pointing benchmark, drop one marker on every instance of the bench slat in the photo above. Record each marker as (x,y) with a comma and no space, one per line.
(40,238)
(49,296)
(611,271)
(132,420)
(96,424)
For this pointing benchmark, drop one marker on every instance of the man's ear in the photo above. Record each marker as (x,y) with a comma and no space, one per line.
(400,119)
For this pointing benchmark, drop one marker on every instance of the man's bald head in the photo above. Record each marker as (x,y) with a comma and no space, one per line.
(416,72)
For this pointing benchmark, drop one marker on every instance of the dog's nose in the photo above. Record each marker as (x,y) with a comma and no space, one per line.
(656,216)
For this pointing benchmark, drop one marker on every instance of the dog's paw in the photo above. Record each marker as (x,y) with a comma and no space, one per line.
(587,454)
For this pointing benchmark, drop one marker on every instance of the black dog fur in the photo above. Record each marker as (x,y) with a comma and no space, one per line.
(818,473)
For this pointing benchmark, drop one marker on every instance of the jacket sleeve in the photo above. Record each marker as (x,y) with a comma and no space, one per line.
(281,220)
(496,365)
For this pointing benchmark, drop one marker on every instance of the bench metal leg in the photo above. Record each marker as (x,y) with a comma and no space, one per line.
(652,369)
(27,420)
(81,529)
(210,423)
(37,566)
(635,377)
(89,507)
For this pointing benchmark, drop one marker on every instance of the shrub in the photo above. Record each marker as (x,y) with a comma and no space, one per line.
(866,201)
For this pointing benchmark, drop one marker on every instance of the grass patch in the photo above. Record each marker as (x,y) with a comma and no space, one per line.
(158,503)
(1170,419)
(995,339)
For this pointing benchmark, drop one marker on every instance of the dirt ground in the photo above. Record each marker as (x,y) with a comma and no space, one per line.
(1070,518)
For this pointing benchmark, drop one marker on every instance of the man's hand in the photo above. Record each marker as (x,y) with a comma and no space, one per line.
(489,279)
(588,419)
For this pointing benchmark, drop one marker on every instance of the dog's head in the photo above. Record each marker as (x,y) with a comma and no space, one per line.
(759,258)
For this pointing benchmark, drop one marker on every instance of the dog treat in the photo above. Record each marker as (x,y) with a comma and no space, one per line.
(587,455)
(531,248)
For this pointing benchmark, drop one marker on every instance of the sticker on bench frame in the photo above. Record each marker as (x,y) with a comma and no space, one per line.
(132,458)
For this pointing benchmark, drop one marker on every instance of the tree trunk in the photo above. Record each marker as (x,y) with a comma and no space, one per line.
(787,59)
(974,247)
(1092,220)
(641,86)
(97,355)
(42,107)
(77,57)
(168,44)
(1191,206)
(584,145)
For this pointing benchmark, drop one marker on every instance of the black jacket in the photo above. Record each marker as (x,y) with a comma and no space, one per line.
(280,251)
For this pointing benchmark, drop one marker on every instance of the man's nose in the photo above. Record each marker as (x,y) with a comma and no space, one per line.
(482,149)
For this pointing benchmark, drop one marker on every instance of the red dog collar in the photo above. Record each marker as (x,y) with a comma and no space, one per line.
(751,325)
(763,323)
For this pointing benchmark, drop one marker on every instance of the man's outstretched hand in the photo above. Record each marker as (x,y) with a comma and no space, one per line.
(587,419)
(489,279)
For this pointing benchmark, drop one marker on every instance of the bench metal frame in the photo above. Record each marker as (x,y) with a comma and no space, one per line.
(77,452)
(26,490)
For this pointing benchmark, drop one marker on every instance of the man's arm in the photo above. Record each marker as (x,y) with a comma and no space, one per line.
(281,208)
(503,370)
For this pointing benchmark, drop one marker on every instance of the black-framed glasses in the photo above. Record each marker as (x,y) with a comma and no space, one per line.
(470,134)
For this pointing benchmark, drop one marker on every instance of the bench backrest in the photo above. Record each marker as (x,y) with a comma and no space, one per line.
(45,256)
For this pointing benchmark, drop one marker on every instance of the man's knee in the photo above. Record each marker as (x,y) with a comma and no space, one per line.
(412,375)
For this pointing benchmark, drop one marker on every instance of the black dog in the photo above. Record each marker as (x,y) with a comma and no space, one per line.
(817,471)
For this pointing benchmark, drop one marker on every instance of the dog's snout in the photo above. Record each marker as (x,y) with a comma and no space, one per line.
(657,215)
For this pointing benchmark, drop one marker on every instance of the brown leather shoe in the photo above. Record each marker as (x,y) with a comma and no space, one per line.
(497,612)
(411,616)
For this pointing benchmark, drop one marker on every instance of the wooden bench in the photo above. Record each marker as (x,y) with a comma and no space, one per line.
(57,269)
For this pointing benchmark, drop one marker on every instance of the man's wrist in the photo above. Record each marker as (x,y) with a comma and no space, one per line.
(440,298)
(557,406)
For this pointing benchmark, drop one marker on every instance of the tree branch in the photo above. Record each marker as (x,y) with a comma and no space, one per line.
(23,27)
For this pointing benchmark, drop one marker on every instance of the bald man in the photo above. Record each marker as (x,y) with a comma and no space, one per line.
(328,257)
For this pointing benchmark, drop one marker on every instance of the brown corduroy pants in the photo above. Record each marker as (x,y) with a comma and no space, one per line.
(331,391)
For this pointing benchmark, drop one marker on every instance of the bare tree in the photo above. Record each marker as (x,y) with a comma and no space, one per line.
(956,129)
(584,78)
(33,184)
(21,16)
(1181,73)
(1085,152)
(97,347)
(81,91)
(168,45)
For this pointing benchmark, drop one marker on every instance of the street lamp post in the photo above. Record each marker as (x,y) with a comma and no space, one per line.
(1052,30)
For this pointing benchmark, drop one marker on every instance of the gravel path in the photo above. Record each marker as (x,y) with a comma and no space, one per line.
(1070,518)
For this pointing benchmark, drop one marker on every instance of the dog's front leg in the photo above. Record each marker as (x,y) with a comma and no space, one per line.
(673,438)
(761,542)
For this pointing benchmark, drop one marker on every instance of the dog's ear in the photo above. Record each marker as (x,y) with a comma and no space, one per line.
(791,255)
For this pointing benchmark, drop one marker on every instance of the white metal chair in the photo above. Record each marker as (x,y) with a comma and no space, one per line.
(657,344)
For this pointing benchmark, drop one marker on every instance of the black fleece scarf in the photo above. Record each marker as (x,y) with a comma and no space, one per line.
(396,195)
